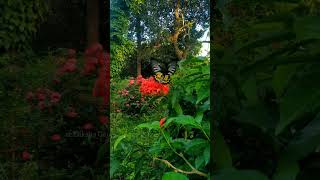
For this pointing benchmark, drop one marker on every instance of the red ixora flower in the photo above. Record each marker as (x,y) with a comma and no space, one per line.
(41,105)
(131,82)
(103,120)
(26,155)
(70,65)
(87,126)
(162,121)
(55,97)
(72,53)
(150,87)
(102,84)
(56,137)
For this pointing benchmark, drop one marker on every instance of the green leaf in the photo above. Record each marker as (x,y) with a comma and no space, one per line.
(115,164)
(200,111)
(152,125)
(307,27)
(197,144)
(258,116)
(221,153)
(174,176)
(301,99)
(202,94)
(185,120)
(233,174)
(281,77)
(305,141)
(118,140)
(250,90)
(287,170)
(199,162)
(206,155)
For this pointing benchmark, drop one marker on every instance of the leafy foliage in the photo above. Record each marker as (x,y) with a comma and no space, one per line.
(267,98)
(185,134)
(121,47)
(19,22)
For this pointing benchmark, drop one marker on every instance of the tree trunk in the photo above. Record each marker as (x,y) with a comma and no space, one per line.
(179,28)
(92,21)
(139,39)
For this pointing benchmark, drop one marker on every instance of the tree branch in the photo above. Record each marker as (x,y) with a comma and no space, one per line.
(194,171)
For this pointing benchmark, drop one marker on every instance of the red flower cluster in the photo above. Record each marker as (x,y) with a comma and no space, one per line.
(56,137)
(70,65)
(150,87)
(103,120)
(96,57)
(44,98)
(88,126)
(26,155)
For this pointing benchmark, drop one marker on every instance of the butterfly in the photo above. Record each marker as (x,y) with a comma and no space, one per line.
(159,74)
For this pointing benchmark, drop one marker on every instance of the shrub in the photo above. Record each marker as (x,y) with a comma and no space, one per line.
(184,141)
(138,95)
(19,22)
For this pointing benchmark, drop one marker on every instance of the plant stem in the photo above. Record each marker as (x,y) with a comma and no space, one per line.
(194,170)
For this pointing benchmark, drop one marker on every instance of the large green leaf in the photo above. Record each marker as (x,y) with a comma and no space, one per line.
(299,100)
(185,120)
(115,164)
(118,140)
(307,27)
(250,90)
(306,141)
(281,77)
(257,115)
(174,176)
(197,145)
(151,125)
(221,153)
(287,170)
(233,174)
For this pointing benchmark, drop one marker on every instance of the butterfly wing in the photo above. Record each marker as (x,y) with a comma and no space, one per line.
(172,68)
(156,66)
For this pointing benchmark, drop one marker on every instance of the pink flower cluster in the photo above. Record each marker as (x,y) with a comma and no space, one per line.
(44,98)
(70,65)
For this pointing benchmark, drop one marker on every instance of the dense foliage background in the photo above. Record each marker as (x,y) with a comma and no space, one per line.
(267,110)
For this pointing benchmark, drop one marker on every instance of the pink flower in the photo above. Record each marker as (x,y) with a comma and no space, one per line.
(131,81)
(55,97)
(127,105)
(103,120)
(41,96)
(41,105)
(118,110)
(87,126)
(70,65)
(71,53)
(56,137)
(26,155)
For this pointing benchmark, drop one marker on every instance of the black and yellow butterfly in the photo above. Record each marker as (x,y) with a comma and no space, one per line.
(159,74)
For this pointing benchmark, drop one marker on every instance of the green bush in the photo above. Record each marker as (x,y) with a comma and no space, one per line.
(19,22)
(184,135)
(267,103)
